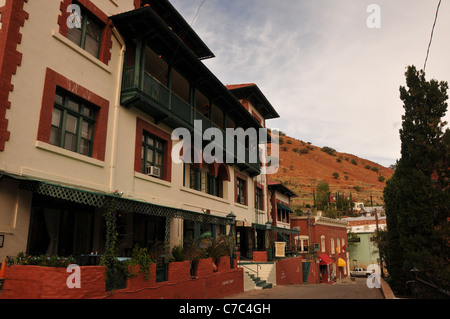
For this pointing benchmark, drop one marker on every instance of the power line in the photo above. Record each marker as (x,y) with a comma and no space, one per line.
(198,10)
(431,37)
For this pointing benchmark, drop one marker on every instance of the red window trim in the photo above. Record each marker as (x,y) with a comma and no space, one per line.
(143,126)
(106,42)
(54,80)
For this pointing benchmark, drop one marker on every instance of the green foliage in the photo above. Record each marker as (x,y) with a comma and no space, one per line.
(322,195)
(335,175)
(140,256)
(329,150)
(417,197)
(354,162)
(304,151)
(178,253)
(218,248)
(42,260)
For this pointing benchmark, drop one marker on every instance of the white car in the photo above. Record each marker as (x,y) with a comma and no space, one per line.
(360,272)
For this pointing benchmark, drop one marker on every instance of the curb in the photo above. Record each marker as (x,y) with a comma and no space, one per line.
(387,291)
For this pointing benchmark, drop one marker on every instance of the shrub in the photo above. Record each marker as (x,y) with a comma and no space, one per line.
(304,151)
(354,162)
(329,150)
(335,175)
(375,169)
(367,167)
(43,260)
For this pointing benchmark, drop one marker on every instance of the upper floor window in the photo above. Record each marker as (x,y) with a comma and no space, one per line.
(241,191)
(259,204)
(72,125)
(152,156)
(202,180)
(86,32)
(153,148)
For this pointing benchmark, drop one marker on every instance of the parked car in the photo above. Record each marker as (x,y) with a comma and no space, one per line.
(360,272)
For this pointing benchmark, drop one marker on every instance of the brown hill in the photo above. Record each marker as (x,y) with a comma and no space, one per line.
(303,165)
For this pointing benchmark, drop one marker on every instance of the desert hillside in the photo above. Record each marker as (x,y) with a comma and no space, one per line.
(303,165)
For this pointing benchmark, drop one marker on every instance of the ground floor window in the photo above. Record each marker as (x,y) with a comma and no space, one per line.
(58,227)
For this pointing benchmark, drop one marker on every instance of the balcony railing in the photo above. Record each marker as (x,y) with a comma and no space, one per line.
(159,96)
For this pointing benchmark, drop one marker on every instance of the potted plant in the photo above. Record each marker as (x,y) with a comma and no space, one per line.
(216,249)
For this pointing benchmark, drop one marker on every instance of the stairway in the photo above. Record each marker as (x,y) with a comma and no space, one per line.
(260,284)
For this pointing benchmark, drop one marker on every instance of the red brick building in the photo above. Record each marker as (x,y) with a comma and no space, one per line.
(329,243)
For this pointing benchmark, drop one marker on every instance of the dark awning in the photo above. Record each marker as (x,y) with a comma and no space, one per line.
(282,206)
(103,200)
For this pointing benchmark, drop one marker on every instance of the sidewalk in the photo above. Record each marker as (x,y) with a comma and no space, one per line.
(345,290)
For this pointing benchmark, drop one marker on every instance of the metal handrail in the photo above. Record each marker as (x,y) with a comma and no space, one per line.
(257,266)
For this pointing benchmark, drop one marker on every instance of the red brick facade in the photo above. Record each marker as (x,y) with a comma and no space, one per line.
(323,232)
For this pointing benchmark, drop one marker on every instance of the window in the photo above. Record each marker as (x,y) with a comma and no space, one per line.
(240,191)
(259,198)
(332,246)
(322,243)
(72,125)
(86,33)
(152,155)
(195,181)
(153,148)
(213,185)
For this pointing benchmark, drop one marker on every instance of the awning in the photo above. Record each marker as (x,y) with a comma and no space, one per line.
(103,200)
(325,259)
(285,207)
(341,262)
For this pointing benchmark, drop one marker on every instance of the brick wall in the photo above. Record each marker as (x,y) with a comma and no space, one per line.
(36,282)
(260,256)
(289,271)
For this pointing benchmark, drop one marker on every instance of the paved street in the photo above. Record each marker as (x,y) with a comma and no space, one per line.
(351,290)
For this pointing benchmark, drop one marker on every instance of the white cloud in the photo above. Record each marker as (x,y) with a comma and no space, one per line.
(333,80)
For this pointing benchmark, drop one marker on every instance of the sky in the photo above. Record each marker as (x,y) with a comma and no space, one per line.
(331,68)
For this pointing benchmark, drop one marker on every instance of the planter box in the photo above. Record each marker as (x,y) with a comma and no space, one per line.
(205,267)
(260,256)
(139,282)
(37,282)
(179,271)
(224,264)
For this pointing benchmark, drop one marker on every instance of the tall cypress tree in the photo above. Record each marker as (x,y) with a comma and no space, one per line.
(416,196)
